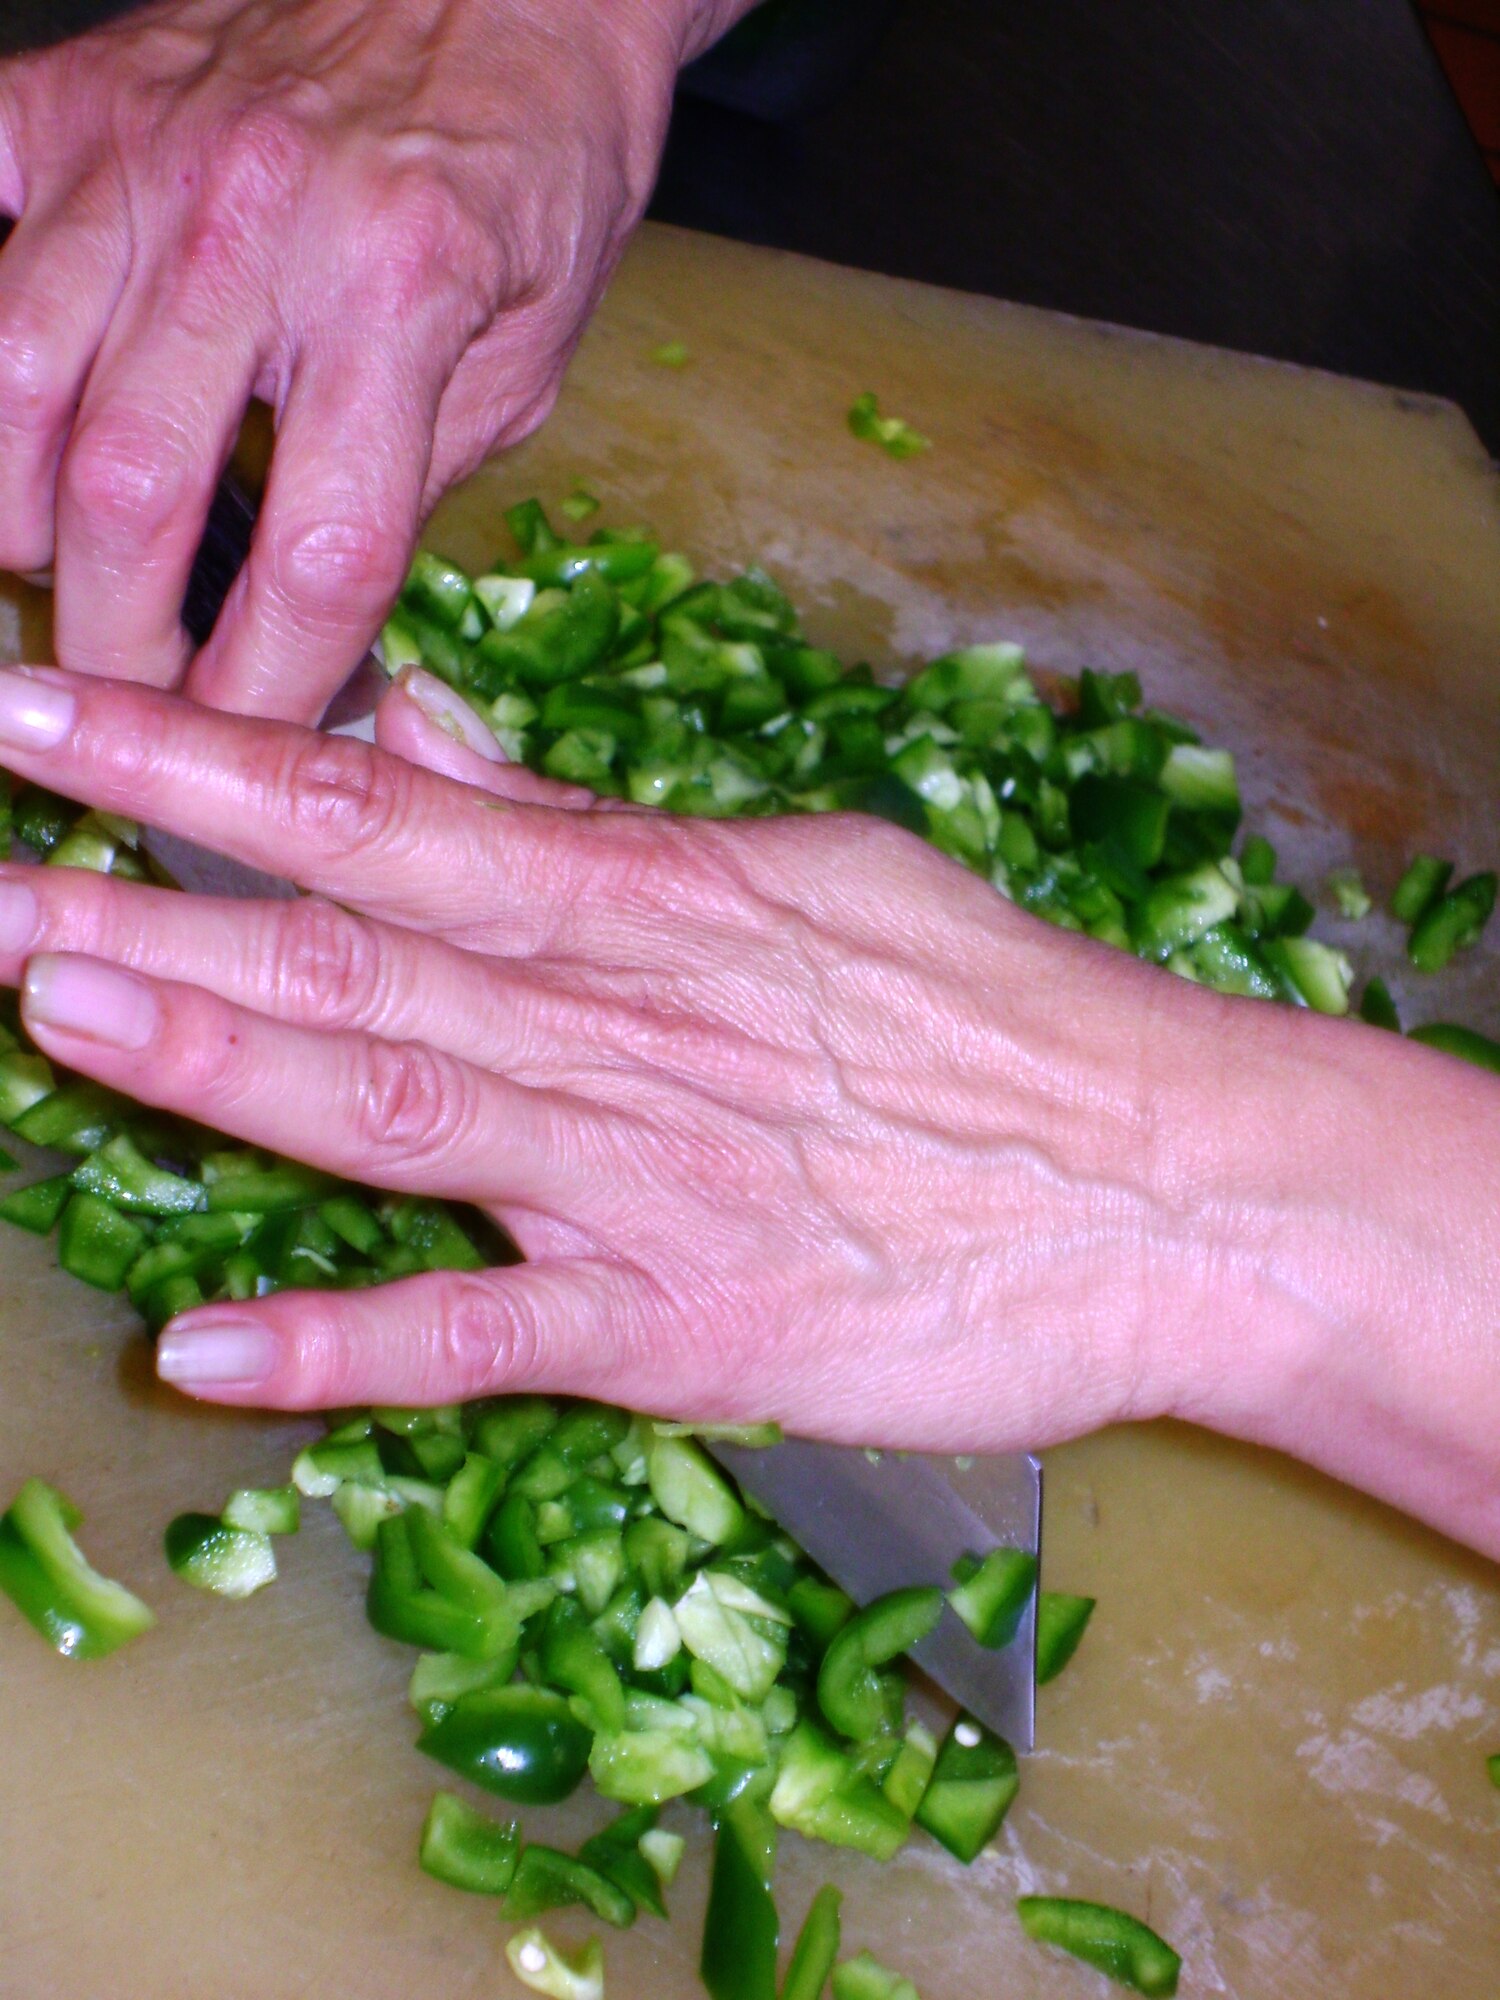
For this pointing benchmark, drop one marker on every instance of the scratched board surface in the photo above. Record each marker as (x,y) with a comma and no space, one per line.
(1272,1740)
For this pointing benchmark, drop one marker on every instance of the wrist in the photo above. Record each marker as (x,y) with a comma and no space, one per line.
(1349,1278)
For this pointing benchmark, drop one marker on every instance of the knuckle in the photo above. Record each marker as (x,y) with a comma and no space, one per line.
(484,1337)
(127,472)
(326,962)
(33,388)
(341,566)
(262,156)
(425,241)
(410,1104)
(339,798)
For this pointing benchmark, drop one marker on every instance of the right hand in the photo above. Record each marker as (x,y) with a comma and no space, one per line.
(389,221)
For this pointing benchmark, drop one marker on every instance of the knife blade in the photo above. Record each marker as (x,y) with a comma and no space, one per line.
(879,1521)
(873,1521)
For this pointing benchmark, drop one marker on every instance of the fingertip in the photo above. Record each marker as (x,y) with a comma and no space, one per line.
(423,707)
(424,721)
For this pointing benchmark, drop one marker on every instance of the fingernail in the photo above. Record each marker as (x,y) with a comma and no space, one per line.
(82,997)
(34,714)
(18,917)
(215,1353)
(451,713)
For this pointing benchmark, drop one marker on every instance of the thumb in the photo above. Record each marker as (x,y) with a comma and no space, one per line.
(426,722)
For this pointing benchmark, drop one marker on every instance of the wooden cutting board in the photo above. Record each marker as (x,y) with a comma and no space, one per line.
(1272,1740)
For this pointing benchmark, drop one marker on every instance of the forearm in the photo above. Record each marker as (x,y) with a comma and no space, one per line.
(1348,1186)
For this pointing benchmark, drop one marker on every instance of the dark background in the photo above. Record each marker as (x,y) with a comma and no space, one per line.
(1290,177)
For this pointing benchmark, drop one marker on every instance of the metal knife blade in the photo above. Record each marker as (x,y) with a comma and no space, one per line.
(878,1522)
(874,1522)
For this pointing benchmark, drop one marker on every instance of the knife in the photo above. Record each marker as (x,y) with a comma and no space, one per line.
(874,1521)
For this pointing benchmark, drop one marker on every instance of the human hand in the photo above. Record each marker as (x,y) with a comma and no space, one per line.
(390,222)
(792,1119)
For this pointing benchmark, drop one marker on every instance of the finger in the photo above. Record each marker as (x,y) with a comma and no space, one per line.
(308,962)
(335,533)
(399,1115)
(425,721)
(578,1327)
(337,816)
(61,275)
(158,420)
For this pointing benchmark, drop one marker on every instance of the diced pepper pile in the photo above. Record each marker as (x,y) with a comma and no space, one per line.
(589,1591)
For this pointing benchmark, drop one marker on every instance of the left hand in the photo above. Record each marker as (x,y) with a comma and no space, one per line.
(784,1114)
(792,1118)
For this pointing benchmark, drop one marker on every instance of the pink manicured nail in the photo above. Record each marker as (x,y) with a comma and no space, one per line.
(18,917)
(215,1353)
(83,997)
(451,713)
(34,714)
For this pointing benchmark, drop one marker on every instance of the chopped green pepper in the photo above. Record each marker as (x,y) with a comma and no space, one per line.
(740,1929)
(1116,1943)
(991,1596)
(47,1577)
(468,1849)
(816,1948)
(523,1743)
(1060,1624)
(856,1698)
(972,1787)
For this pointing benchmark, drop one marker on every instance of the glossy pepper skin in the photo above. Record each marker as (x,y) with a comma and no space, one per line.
(522,1743)
(1117,1943)
(855,1697)
(973,1783)
(48,1579)
(740,1930)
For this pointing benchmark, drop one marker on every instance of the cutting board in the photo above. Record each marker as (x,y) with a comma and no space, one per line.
(1272,1741)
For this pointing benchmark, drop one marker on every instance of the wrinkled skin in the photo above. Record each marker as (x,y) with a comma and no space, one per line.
(389,221)
(792,1118)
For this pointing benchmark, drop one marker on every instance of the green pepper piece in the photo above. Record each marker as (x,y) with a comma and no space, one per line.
(972,1787)
(820,1609)
(857,1699)
(26,1079)
(865,1978)
(98,1244)
(1465,1043)
(38,1206)
(468,1849)
(547,1879)
(1377,1008)
(122,1175)
(523,1743)
(400,1605)
(1060,1624)
(228,1562)
(1109,1939)
(1419,888)
(1492,1765)
(265,1510)
(616,1852)
(816,1948)
(690,1490)
(573,1658)
(528,522)
(644,1766)
(46,1576)
(905,1783)
(740,1928)
(76,1118)
(541,1965)
(991,1596)
(1258,862)
(1452,923)
(819,1794)
(553,642)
